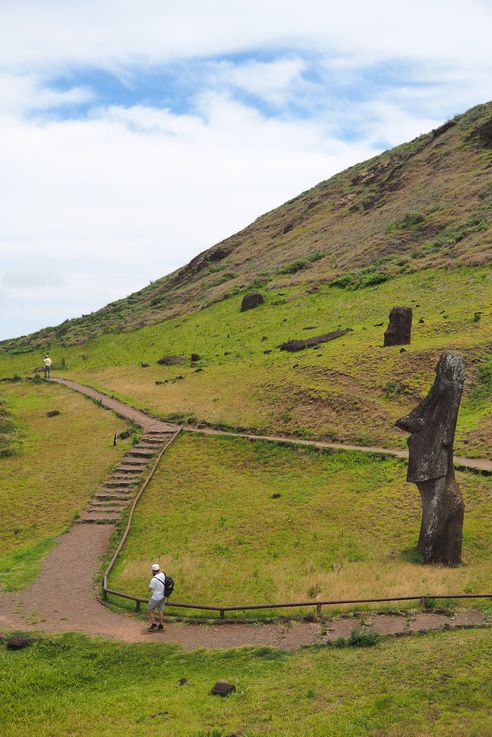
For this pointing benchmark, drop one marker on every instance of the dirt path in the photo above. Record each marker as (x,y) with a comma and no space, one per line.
(64,597)
(151,423)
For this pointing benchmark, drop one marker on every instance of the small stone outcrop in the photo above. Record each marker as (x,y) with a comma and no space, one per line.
(222,688)
(171,360)
(298,345)
(250,301)
(399,330)
(53,413)
(432,427)
(195,357)
(19,642)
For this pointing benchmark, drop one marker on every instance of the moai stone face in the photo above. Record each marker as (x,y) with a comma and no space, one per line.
(399,330)
(432,427)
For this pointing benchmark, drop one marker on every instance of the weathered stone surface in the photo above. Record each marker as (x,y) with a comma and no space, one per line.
(195,356)
(399,330)
(19,642)
(432,427)
(171,360)
(222,688)
(53,413)
(251,301)
(299,345)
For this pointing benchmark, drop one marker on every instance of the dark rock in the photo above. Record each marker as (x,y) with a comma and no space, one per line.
(177,378)
(195,356)
(250,301)
(222,688)
(19,642)
(399,329)
(53,413)
(264,338)
(275,496)
(379,324)
(198,370)
(403,350)
(421,321)
(299,345)
(267,351)
(144,365)
(484,133)
(227,353)
(171,360)
(443,128)
(432,427)
(183,681)
(310,327)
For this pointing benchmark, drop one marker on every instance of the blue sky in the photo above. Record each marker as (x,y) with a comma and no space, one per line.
(136,134)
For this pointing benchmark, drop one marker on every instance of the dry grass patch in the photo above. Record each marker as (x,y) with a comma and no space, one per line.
(345,526)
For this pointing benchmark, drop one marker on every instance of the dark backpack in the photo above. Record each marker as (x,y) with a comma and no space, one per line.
(168,586)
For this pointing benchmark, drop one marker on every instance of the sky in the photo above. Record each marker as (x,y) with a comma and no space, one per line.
(136,133)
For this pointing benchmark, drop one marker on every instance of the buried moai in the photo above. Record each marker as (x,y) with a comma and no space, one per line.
(399,330)
(430,464)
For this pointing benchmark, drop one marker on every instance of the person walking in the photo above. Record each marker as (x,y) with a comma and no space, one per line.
(157,600)
(48,363)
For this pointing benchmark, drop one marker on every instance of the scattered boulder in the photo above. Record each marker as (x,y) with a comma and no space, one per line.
(399,329)
(264,338)
(222,688)
(276,496)
(421,321)
(19,642)
(250,301)
(403,350)
(183,681)
(267,351)
(484,133)
(298,345)
(443,128)
(144,365)
(53,413)
(198,370)
(195,356)
(171,360)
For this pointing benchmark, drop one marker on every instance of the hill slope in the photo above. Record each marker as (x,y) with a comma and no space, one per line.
(425,204)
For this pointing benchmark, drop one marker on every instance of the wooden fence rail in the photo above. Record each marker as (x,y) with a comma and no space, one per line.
(424,599)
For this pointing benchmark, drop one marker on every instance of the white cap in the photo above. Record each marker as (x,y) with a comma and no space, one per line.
(156,567)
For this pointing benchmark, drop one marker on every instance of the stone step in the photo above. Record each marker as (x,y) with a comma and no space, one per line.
(99,517)
(137,459)
(125,490)
(98,503)
(128,469)
(156,439)
(127,481)
(107,510)
(102,496)
(143,453)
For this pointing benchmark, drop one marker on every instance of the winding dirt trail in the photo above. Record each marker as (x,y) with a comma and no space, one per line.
(151,423)
(64,596)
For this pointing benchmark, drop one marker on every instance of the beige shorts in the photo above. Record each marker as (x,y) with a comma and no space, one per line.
(156,604)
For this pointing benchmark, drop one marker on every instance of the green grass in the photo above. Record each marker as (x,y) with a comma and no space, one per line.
(59,463)
(410,687)
(344,527)
(338,392)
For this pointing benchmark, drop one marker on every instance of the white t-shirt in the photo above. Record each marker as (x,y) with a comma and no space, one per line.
(47,362)
(157,584)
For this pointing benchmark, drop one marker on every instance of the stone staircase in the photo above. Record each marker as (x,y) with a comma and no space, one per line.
(122,485)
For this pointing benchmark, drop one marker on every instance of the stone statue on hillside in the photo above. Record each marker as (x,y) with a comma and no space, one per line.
(399,330)
(430,464)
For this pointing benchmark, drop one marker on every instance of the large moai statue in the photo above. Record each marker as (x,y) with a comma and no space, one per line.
(399,330)
(430,464)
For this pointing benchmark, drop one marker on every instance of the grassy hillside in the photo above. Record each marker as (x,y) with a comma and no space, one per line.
(425,204)
(406,687)
(351,389)
(344,526)
(58,465)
